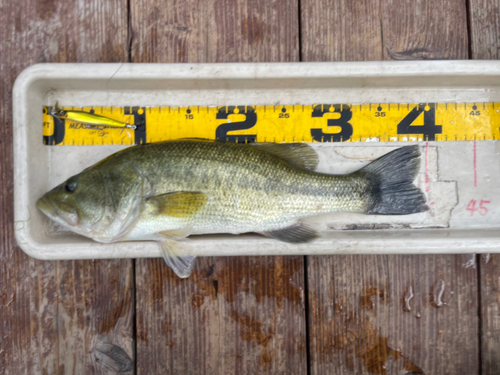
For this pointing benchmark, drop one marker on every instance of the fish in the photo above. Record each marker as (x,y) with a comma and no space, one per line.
(167,191)
(89,119)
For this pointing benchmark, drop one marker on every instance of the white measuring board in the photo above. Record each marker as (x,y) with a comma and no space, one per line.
(460,178)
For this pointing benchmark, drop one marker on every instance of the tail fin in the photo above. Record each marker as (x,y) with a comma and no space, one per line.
(391,179)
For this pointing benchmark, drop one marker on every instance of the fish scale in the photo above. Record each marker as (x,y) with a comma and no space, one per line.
(248,189)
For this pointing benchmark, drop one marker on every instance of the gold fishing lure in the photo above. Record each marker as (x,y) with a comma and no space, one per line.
(89,119)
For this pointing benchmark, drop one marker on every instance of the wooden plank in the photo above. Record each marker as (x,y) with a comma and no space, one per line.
(485,44)
(253,31)
(337,30)
(484,18)
(95,317)
(214,31)
(169,31)
(58,317)
(389,314)
(424,29)
(490,313)
(64,31)
(233,315)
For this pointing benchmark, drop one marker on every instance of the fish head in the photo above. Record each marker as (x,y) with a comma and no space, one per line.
(102,202)
(78,204)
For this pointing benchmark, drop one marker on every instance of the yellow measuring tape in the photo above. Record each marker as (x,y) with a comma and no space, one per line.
(282,123)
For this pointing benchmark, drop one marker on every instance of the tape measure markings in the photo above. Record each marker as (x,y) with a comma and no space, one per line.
(384,122)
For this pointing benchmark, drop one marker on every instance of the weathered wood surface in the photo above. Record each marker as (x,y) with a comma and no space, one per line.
(424,29)
(58,317)
(214,31)
(484,18)
(489,279)
(392,315)
(389,314)
(169,31)
(340,30)
(240,315)
(367,314)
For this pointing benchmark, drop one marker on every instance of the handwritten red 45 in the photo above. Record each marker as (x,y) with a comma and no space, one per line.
(481,208)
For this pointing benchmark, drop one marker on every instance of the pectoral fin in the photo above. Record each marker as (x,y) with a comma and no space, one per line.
(297,233)
(182,204)
(182,265)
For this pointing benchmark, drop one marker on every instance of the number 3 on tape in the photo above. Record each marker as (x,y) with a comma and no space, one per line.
(342,122)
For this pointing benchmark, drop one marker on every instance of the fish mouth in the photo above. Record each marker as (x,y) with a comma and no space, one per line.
(61,213)
(46,207)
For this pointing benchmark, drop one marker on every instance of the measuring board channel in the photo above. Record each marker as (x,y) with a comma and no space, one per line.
(282,123)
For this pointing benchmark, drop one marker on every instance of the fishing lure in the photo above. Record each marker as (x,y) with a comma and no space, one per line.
(89,119)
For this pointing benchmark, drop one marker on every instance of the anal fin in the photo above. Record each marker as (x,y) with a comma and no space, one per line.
(297,233)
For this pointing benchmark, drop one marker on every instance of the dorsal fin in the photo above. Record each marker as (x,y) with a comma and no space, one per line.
(298,154)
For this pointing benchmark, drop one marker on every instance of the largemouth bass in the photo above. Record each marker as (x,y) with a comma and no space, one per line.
(167,191)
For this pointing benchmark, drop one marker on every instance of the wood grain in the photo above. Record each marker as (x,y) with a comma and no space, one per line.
(214,31)
(95,317)
(236,315)
(490,313)
(56,316)
(424,29)
(63,31)
(338,30)
(485,44)
(254,31)
(392,315)
(484,18)
(240,315)
(383,314)
(169,31)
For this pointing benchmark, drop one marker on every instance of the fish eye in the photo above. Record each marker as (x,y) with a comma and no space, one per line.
(70,186)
